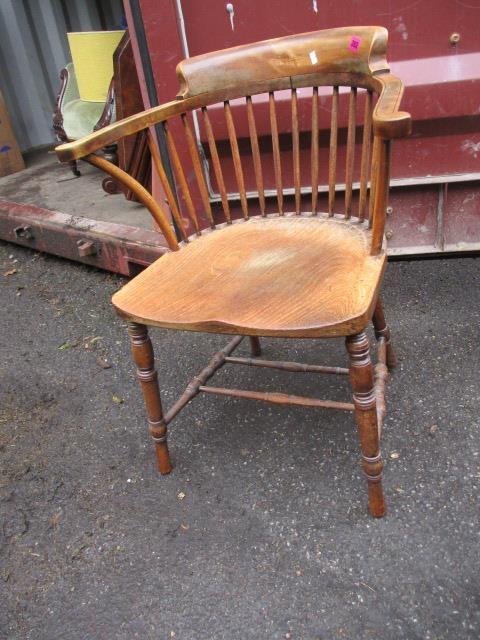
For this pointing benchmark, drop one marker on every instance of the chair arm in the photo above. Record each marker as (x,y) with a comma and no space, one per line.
(68,91)
(388,121)
(117,130)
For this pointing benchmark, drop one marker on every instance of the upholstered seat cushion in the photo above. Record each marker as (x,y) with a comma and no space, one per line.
(80,117)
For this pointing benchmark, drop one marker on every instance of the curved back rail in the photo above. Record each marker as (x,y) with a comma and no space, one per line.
(337,79)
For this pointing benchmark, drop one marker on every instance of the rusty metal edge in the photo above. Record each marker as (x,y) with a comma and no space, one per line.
(430,251)
(114,247)
(121,248)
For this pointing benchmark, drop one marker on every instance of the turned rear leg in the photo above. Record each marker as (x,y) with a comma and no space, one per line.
(142,352)
(382,330)
(362,381)
(255,348)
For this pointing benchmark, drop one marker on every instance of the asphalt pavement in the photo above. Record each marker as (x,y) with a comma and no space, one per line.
(262,530)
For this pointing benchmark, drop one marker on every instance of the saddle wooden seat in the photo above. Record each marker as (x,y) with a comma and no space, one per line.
(289,276)
(321,104)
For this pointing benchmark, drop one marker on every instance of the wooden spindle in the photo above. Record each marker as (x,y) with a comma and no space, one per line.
(332,161)
(257,164)
(296,153)
(179,172)
(382,330)
(171,199)
(382,150)
(237,165)
(381,379)
(212,145)
(297,367)
(279,398)
(197,167)
(365,162)
(314,149)
(352,112)
(193,388)
(373,180)
(277,166)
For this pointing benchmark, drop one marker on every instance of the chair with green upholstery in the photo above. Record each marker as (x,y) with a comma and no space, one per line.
(86,99)
(74,118)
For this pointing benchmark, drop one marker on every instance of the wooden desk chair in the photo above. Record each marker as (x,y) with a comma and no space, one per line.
(292,273)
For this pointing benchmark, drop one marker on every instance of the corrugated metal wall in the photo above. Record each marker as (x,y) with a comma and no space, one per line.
(33,49)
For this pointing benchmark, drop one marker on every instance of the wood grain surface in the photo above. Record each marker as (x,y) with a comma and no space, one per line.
(291,276)
(329,50)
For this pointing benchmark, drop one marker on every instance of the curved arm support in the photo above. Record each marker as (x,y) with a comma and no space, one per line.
(141,193)
(388,122)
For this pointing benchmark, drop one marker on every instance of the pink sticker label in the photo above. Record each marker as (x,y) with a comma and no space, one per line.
(355,44)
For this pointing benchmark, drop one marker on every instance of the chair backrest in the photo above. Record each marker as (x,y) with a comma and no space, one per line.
(243,109)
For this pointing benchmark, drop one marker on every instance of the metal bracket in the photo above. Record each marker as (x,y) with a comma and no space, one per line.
(23,232)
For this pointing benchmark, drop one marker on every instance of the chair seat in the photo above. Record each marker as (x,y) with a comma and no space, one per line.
(80,117)
(286,276)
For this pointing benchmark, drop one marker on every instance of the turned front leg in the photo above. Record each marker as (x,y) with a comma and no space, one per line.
(382,330)
(362,381)
(142,352)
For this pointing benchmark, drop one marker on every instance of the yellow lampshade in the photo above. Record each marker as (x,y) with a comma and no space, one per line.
(92,57)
